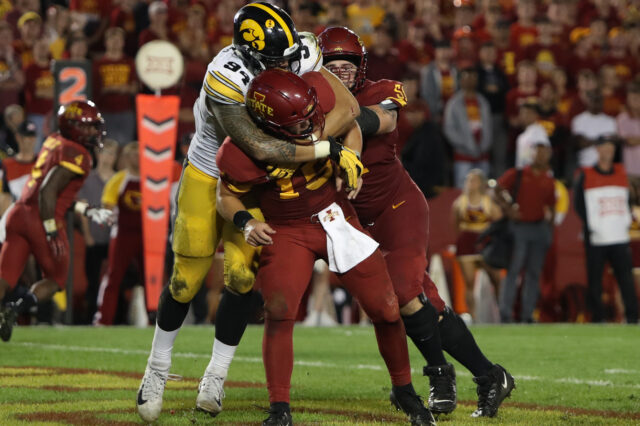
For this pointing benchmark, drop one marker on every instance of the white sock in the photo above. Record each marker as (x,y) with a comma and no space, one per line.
(160,357)
(220,359)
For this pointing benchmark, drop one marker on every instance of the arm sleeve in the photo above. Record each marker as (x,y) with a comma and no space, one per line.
(111,190)
(507,180)
(236,167)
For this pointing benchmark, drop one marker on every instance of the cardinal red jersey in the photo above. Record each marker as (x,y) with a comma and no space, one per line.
(383,170)
(308,191)
(58,152)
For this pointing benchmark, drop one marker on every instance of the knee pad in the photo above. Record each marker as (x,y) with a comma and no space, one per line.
(187,277)
(452,328)
(423,322)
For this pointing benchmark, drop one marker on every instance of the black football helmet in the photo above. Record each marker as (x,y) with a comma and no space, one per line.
(265,37)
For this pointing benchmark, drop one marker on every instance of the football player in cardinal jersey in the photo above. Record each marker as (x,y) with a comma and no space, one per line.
(36,224)
(395,212)
(264,37)
(306,218)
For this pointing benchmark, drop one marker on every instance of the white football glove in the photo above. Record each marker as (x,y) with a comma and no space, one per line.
(100,216)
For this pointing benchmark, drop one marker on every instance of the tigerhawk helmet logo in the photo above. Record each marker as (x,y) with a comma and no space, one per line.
(258,105)
(253,33)
(73,111)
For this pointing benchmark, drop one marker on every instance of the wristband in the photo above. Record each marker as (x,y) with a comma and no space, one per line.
(50,226)
(241,218)
(81,207)
(322,149)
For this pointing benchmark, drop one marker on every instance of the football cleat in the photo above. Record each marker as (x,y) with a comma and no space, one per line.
(442,392)
(8,317)
(149,401)
(278,417)
(210,394)
(492,390)
(411,404)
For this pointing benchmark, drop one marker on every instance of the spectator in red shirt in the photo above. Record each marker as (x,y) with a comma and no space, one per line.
(92,17)
(546,52)
(193,39)
(20,8)
(221,31)
(429,13)
(612,92)
(11,76)
(619,55)
(532,217)
(115,83)
(506,53)
(195,48)
(123,16)
(598,39)
(414,51)
(527,77)
(524,31)
(562,14)
(30,26)
(383,56)
(587,82)
(77,47)
(158,28)
(39,89)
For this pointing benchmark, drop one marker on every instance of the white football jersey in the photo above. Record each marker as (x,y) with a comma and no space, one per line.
(226,82)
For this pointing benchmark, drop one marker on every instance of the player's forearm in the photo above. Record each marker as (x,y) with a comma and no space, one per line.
(353,138)
(340,119)
(237,124)
(228,203)
(388,119)
(46,203)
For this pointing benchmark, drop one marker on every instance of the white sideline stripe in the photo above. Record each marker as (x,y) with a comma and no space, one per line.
(561,380)
(620,371)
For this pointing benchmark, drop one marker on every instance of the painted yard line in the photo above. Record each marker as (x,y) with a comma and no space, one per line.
(321,364)
(620,371)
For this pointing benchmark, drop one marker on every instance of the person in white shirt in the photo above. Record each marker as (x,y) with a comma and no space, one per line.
(533,135)
(588,126)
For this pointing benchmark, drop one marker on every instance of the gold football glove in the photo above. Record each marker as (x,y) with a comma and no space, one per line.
(348,160)
(280,172)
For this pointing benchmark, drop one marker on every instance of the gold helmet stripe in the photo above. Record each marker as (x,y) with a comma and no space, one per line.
(277,17)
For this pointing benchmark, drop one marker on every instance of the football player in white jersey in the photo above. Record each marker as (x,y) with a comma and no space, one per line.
(264,37)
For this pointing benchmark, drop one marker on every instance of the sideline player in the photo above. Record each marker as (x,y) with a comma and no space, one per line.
(396,214)
(305,220)
(264,37)
(36,224)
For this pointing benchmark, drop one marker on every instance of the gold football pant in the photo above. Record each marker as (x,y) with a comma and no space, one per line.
(197,232)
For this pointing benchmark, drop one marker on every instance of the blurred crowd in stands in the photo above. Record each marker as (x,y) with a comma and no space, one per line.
(487,82)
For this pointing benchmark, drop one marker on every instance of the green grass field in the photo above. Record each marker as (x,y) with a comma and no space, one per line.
(565,374)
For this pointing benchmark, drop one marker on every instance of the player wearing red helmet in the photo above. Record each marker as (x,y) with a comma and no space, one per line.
(305,220)
(36,224)
(388,202)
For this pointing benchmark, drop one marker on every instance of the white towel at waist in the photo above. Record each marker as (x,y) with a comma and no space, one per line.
(346,246)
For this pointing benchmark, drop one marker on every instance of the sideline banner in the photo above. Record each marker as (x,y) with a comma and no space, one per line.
(157,132)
